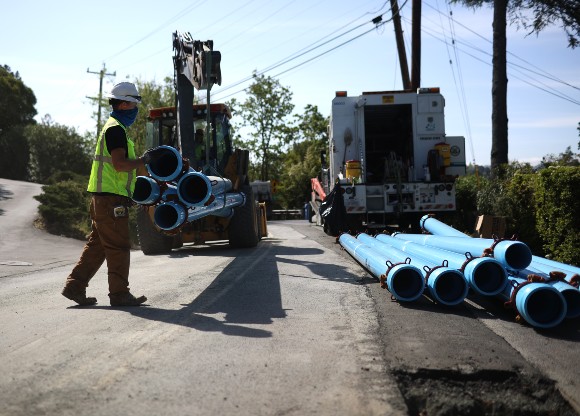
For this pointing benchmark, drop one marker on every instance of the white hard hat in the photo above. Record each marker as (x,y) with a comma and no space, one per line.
(125,91)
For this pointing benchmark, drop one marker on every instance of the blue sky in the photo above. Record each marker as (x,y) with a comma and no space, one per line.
(52,44)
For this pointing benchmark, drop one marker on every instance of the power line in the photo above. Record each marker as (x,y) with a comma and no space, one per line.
(307,61)
(99,99)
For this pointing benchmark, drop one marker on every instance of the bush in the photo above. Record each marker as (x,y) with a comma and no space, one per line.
(466,196)
(64,208)
(558,212)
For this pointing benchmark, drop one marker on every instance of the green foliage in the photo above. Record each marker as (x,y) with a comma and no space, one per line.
(64,208)
(466,189)
(558,212)
(16,111)
(14,154)
(302,162)
(566,158)
(16,100)
(265,112)
(153,95)
(536,15)
(55,148)
(541,209)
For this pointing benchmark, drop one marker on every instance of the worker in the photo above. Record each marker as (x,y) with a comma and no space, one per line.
(111,184)
(199,148)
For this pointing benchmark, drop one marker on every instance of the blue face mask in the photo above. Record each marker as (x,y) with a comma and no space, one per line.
(126,117)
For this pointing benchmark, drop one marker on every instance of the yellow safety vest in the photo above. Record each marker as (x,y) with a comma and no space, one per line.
(104,177)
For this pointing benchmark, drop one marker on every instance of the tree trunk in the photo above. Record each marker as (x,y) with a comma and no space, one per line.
(499,118)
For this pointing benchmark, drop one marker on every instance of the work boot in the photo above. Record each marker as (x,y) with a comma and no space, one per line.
(79,296)
(126,299)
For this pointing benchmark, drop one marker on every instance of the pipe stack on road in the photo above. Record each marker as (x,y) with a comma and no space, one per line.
(542,292)
(181,194)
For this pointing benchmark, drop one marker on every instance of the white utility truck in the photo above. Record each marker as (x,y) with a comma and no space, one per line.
(389,152)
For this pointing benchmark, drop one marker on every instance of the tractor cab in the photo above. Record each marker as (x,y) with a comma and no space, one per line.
(162,130)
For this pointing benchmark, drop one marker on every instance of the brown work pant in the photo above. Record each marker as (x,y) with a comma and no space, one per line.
(109,240)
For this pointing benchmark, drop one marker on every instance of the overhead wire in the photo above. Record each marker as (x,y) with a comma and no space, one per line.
(176,17)
(486,62)
(541,72)
(294,56)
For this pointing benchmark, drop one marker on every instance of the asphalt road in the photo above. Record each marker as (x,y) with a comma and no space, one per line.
(292,327)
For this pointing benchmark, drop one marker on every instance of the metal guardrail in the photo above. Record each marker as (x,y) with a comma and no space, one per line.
(287,214)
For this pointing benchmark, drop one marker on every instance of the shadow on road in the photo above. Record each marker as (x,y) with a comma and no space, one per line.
(246,292)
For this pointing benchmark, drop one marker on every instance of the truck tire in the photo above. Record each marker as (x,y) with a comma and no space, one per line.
(151,240)
(243,229)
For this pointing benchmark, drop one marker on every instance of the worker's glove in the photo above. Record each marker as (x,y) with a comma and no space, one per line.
(151,155)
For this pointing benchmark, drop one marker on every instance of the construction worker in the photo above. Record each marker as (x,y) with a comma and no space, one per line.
(111,184)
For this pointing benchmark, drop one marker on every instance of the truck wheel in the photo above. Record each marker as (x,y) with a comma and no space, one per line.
(243,229)
(151,240)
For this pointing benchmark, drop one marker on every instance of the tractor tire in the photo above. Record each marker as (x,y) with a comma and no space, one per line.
(151,240)
(243,230)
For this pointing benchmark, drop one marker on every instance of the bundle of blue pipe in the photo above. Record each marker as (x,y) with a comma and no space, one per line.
(181,194)
(542,292)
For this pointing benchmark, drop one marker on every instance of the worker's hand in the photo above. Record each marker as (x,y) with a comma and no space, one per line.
(151,155)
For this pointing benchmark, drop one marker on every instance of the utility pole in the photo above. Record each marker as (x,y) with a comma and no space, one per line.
(400,45)
(416,46)
(101,75)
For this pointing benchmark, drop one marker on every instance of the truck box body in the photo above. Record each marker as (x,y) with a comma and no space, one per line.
(407,163)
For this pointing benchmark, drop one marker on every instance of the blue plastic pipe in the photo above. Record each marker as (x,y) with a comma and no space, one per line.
(515,255)
(445,285)
(168,166)
(485,275)
(171,215)
(570,293)
(404,281)
(547,266)
(147,191)
(436,227)
(539,304)
(195,188)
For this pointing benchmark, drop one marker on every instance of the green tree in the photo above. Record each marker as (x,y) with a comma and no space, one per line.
(533,15)
(55,148)
(17,101)
(303,160)
(265,113)
(16,111)
(153,95)
(566,158)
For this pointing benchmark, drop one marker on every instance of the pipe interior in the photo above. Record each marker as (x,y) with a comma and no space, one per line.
(489,277)
(165,165)
(142,190)
(544,306)
(407,283)
(193,189)
(450,286)
(166,216)
(518,256)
